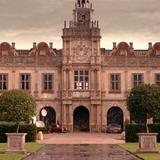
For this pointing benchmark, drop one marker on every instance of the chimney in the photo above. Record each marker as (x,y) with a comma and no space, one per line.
(51,45)
(114,45)
(34,44)
(13,45)
(150,45)
(131,45)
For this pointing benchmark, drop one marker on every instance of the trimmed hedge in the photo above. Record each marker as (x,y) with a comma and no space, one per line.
(131,131)
(30,129)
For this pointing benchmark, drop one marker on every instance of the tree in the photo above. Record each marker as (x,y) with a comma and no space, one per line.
(17,106)
(144,102)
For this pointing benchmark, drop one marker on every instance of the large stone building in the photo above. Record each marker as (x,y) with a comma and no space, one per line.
(82,86)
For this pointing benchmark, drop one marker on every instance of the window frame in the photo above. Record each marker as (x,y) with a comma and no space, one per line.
(81,80)
(25,81)
(2,81)
(116,89)
(48,81)
(157,82)
(137,81)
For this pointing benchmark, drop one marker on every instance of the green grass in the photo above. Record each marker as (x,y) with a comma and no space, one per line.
(132,147)
(30,147)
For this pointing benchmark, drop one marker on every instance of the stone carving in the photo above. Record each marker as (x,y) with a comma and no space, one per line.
(81,52)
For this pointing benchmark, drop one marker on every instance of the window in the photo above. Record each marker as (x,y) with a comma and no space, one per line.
(47,82)
(25,81)
(115,82)
(3,82)
(137,79)
(157,79)
(81,80)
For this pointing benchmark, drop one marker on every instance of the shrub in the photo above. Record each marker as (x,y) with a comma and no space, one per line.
(30,129)
(131,131)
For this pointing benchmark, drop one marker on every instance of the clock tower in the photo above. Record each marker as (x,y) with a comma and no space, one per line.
(81,65)
(81,38)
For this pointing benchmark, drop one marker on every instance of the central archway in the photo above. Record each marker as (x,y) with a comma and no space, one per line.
(81,119)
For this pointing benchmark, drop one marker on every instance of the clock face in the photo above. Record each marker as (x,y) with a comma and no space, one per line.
(83,16)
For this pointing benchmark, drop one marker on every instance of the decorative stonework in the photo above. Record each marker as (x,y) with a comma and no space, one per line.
(147,142)
(16,142)
(81,52)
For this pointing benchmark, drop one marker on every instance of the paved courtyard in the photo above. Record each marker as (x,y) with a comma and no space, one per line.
(82,146)
(82,138)
(82,152)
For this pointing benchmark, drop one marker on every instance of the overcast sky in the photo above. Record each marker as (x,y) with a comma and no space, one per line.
(28,21)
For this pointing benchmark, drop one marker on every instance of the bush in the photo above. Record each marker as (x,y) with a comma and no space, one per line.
(132,130)
(30,129)
(155,128)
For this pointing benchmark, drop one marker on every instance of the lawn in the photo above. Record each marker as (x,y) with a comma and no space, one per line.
(30,147)
(132,147)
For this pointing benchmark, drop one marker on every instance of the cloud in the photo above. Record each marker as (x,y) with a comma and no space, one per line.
(36,20)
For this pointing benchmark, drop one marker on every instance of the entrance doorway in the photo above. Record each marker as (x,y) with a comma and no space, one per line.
(81,119)
(115,116)
(50,118)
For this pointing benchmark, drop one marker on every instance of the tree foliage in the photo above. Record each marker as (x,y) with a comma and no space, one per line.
(17,106)
(144,102)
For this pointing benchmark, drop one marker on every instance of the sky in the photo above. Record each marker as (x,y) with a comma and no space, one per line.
(28,21)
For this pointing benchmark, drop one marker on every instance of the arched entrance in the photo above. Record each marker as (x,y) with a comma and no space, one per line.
(50,118)
(115,116)
(81,119)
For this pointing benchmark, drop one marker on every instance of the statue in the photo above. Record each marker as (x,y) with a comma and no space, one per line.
(82,3)
(79,3)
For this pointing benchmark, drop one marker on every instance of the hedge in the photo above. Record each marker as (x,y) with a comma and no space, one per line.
(30,129)
(131,131)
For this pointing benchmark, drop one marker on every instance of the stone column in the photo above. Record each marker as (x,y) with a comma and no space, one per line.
(64,80)
(92,79)
(98,80)
(13,80)
(125,82)
(70,80)
(91,117)
(99,118)
(36,84)
(64,115)
(148,80)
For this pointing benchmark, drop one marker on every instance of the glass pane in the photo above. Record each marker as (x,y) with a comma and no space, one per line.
(81,72)
(4,77)
(50,85)
(50,77)
(86,72)
(76,78)
(75,72)
(27,86)
(4,85)
(81,78)
(86,78)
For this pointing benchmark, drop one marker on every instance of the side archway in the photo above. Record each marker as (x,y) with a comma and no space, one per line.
(81,119)
(50,118)
(115,116)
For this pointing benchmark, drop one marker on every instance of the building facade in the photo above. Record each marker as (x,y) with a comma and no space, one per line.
(82,85)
